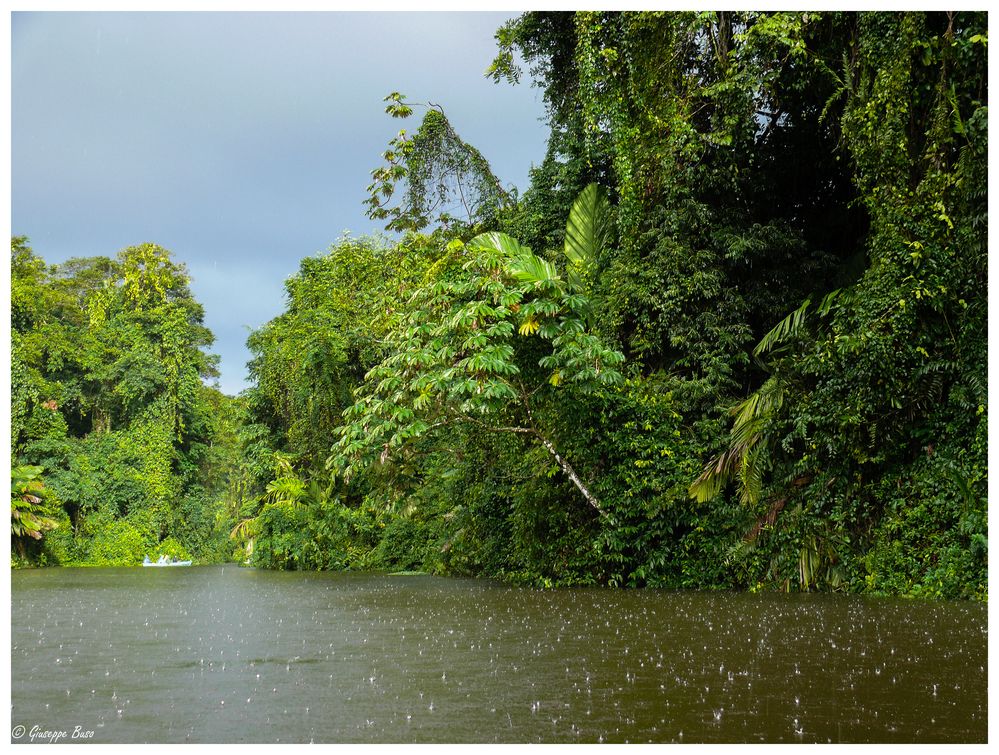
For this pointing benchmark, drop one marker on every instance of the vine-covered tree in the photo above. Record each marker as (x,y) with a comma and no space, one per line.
(433,176)
(110,414)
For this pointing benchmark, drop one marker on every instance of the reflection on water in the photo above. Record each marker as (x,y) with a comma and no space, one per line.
(224,654)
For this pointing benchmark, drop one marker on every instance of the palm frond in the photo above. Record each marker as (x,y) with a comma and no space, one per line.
(588,228)
(783,330)
(748,455)
(245,529)
(830,300)
(494,241)
(530,268)
(710,482)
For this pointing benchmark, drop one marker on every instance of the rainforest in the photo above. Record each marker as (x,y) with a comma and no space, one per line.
(732,336)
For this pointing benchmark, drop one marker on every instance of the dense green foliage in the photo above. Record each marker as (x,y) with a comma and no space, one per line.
(769,372)
(113,432)
(733,335)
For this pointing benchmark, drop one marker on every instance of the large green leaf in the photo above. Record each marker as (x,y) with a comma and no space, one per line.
(530,268)
(783,330)
(793,323)
(588,228)
(499,242)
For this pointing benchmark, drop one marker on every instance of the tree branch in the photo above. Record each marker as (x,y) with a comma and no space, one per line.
(568,469)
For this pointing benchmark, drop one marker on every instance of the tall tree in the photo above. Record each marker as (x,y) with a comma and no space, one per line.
(442,179)
(453,353)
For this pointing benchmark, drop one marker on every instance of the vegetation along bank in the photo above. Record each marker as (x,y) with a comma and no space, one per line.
(733,335)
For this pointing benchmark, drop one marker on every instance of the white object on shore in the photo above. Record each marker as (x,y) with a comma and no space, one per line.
(164,561)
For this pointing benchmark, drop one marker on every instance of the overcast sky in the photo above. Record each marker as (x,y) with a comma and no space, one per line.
(241,142)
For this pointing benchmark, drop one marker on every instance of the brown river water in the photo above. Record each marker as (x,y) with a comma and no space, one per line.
(229,654)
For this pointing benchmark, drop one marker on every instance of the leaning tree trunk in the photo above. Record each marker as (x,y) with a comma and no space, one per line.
(572,475)
(562,462)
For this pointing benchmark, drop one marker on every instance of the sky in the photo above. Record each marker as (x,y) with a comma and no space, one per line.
(241,142)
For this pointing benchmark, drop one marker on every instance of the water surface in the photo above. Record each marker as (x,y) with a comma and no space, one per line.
(226,654)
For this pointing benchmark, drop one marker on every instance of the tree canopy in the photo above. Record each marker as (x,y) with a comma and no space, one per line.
(733,334)
(110,414)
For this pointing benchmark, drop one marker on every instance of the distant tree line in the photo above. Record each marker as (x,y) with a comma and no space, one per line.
(119,449)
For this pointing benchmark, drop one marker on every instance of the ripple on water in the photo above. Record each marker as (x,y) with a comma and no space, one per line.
(260,656)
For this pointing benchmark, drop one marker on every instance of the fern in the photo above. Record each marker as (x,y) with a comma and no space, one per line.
(845,85)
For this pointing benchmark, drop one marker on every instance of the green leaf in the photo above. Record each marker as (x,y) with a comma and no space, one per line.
(782,330)
(588,228)
(530,268)
(494,241)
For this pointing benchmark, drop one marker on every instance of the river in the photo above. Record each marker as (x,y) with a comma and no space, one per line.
(230,654)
